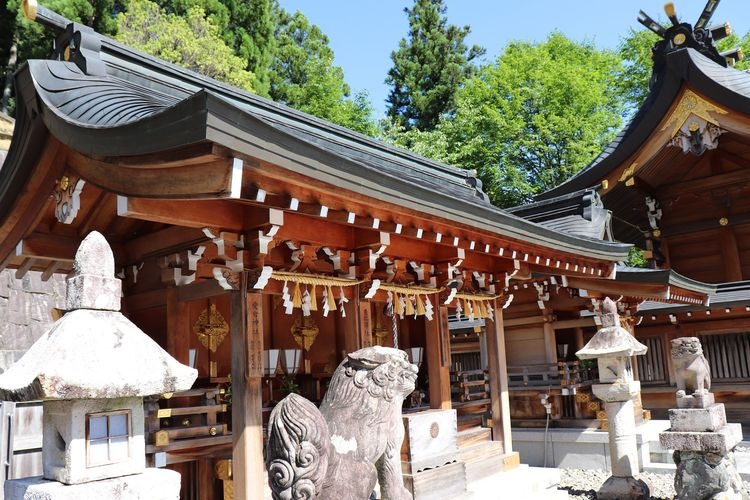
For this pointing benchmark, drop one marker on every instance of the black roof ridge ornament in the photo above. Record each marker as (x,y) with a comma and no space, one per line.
(75,42)
(682,35)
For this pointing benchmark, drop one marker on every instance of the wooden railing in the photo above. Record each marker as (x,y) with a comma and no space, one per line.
(561,374)
(470,392)
(186,420)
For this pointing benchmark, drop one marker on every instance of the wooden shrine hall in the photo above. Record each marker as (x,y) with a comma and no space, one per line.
(677,185)
(245,231)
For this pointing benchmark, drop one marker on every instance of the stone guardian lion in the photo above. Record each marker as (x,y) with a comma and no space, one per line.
(692,373)
(339,451)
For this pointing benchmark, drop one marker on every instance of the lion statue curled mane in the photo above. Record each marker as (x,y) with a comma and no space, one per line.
(339,450)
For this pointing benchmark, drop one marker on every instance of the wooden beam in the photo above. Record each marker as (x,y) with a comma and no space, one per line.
(498,373)
(195,213)
(51,268)
(48,247)
(248,466)
(438,359)
(146,300)
(704,184)
(24,268)
(203,289)
(215,179)
(193,154)
(33,197)
(173,239)
(617,288)
(574,323)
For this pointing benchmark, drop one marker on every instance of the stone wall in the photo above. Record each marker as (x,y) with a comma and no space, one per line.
(26,311)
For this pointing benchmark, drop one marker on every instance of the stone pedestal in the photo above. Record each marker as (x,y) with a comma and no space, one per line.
(703,444)
(623,448)
(154,484)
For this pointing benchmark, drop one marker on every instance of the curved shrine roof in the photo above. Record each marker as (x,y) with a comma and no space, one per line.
(143,105)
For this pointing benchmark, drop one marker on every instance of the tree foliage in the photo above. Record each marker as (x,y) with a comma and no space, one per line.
(634,76)
(428,67)
(531,119)
(192,41)
(303,76)
(246,26)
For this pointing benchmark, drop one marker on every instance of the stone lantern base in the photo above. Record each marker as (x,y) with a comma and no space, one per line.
(153,484)
(617,488)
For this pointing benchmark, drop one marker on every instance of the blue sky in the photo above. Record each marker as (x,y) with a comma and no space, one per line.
(363,33)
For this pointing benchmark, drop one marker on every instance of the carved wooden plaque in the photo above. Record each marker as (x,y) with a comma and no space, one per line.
(254,335)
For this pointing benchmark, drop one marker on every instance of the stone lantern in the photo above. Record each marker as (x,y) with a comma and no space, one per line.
(91,370)
(612,346)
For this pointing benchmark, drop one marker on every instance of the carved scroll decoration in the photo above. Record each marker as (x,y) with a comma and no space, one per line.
(67,196)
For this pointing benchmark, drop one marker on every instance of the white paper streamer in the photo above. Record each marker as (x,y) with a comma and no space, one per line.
(342,300)
(288,305)
(326,309)
(428,308)
(306,303)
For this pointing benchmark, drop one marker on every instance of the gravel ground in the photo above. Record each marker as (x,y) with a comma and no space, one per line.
(582,484)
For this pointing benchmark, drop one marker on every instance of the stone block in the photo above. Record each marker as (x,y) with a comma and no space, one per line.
(90,291)
(66,452)
(153,484)
(708,419)
(696,401)
(721,441)
(619,391)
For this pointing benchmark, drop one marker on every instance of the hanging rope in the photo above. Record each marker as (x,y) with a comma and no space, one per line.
(395,331)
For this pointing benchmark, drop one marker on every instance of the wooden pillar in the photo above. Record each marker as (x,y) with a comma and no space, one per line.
(578,332)
(364,317)
(248,469)
(437,340)
(178,327)
(347,330)
(550,343)
(730,255)
(498,373)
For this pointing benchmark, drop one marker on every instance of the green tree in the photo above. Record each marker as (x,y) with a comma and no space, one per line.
(634,76)
(247,26)
(303,76)
(192,41)
(532,119)
(251,25)
(428,67)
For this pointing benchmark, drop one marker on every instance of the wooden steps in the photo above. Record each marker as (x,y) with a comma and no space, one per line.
(485,459)
(474,435)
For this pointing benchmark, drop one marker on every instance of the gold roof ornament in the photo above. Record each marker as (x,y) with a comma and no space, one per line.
(691,104)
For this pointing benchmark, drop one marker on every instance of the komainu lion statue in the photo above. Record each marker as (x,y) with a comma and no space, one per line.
(692,373)
(339,451)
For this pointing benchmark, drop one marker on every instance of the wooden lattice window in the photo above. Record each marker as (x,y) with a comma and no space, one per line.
(728,355)
(108,437)
(652,366)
